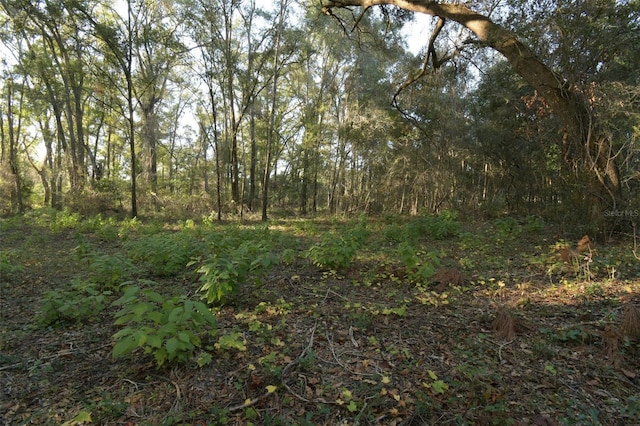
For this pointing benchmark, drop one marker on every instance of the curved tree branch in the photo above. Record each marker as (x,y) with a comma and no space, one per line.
(566,102)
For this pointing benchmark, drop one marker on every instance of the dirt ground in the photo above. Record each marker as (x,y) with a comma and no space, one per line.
(505,342)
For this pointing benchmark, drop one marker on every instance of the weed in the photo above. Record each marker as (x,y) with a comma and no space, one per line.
(108,271)
(507,227)
(288,256)
(167,328)
(222,274)
(62,220)
(333,252)
(164,255)
(421,266)
(82,302)
(8,263)
(233,340)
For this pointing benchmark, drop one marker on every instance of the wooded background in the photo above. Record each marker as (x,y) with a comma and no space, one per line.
(229,106)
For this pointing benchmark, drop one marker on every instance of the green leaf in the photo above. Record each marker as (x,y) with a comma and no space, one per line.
(176,315)
(168,329)
(184,336)
(160,356)
(154,341)
(204,358)
(81,418)
(154,297)
(172,346)
(123,347)
(140,308)
(128,296)
(229,341)
(439,386)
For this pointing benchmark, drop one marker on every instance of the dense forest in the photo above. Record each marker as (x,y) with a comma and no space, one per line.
(227,107)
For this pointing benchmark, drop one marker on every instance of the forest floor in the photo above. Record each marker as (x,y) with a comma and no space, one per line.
(347,328)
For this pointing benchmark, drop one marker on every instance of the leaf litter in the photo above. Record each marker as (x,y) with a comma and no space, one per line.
(361,346)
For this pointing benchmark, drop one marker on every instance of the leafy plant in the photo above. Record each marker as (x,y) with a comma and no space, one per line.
(440,227)
(222,274)
(108,271)
(507,227)
(64,219)
(83,301)
(167,328)
(435,385)
(8,263)
(420,265)
(231,341)
(333,252)
(164,255)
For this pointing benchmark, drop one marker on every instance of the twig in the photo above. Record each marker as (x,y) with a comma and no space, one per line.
(250,402)
(340,363)
(297,361)
(353,340)
(635,242)
(502,345)
(175,385)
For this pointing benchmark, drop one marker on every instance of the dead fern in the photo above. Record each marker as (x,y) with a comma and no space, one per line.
(504,325)
(631,321)
(446,277)
(611,338)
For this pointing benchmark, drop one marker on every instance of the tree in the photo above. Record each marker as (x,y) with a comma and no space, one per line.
(117,35)
(13,136)
(157,52)
(585,141)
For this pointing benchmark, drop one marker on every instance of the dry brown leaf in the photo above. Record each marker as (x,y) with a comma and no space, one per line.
(628,373)
(585,244)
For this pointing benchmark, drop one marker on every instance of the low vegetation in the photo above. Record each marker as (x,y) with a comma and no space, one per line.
(422,320)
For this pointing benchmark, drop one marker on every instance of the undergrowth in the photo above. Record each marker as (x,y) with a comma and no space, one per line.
(426,320)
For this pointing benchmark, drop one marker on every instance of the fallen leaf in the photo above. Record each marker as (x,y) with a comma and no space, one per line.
(628,373)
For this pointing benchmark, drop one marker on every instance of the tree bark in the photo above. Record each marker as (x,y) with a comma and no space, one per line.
(586,145)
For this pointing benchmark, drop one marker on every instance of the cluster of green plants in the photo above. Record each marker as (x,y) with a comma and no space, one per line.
(509,227)
(165,254)
(83,301)
(108,271)
(169,328)
(9,263)
(421,265)
(222,273)
(337,252)
(439,227)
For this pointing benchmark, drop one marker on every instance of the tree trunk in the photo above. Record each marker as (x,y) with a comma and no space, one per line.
(586,146)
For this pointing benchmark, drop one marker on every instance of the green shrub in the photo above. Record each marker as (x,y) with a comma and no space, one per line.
(507,227)
(333,252)
(445,225)
(440,227)
(420,265)
(82,302)
(164,255)
(108,271)
(223,272)
(8,263)
(64,219)
(167,328)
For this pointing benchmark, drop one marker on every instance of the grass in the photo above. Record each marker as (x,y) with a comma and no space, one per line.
(523,339)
